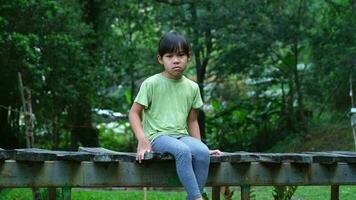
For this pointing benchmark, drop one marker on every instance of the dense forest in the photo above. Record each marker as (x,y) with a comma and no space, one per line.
(267,69)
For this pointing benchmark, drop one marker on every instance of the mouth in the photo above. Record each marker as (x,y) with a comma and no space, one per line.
(177,68)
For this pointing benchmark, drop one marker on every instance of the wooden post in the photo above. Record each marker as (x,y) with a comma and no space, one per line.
(245,192)
(66,193)
(27,108)
(335,192)
(144,193)
(52,193)
(216,193)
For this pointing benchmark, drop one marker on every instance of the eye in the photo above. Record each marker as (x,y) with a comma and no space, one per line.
(169,55)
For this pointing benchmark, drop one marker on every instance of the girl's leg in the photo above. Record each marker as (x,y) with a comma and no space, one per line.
(201,159)
(181,152)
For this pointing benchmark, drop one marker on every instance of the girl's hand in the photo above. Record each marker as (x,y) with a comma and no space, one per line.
(215,152)
(143,146)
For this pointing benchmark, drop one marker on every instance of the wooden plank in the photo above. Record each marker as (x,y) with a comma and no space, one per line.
(35,154)
(103,155)
(73,156)
(106,155)
(97,150)
(330,158)
(295,157)
(63,155)
(5,154)
(163,174)
(269,157)
(32,154)
(235,157)
(345,153)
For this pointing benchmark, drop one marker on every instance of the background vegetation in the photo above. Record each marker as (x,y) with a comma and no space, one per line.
(272,72)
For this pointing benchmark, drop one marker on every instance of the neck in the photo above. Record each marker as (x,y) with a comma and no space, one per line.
(170,76)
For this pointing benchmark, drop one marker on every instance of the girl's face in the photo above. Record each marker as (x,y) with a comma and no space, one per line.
(174,64)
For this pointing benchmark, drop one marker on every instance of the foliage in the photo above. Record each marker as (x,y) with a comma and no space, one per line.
(267,70)
(284,192)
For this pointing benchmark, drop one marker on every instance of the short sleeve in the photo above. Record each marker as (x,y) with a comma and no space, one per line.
(143,96)
(197,101)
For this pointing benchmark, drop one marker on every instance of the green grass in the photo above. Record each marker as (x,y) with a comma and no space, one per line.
(261,193)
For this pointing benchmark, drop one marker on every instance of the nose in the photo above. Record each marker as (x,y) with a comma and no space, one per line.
(175,59)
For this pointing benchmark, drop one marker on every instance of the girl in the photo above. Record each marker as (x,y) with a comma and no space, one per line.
(169,103)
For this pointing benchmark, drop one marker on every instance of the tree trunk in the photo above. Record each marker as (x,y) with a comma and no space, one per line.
(9,140)
(202,56)
(297,79)
(291,112)
(82,131)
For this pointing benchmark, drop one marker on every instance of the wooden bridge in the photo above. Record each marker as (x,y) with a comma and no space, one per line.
(99,167)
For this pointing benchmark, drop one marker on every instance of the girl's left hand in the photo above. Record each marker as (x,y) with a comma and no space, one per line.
(215,152)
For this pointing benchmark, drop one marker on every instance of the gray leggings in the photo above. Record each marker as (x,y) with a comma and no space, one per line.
(192,161)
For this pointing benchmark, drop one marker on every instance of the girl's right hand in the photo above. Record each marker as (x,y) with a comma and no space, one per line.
(143,146)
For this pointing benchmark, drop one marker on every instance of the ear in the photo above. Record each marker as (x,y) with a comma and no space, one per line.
(159,58)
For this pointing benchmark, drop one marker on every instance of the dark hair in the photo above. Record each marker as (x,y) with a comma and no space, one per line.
(173,42)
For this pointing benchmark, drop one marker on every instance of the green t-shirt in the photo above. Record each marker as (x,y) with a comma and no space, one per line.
(167,105)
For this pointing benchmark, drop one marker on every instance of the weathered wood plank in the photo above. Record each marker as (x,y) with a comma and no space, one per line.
(98,150)
(330,158)
(106,155)
(241,157)
(103,155)
(66,155)
(163,174)
(294,157)
(35,154)
(345,153)
(73,156)
(4,154)
(32,154)
(235,157)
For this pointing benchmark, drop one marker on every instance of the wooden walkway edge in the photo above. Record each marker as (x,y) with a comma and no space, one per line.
(99,167)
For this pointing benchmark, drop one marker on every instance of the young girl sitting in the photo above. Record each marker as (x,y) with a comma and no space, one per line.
(169,104)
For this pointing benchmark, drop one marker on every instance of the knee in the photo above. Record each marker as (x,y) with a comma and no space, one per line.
(184,152)
(202,153)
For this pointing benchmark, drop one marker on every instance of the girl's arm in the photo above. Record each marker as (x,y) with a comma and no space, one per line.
(143,145)
(194,129)
(193,126)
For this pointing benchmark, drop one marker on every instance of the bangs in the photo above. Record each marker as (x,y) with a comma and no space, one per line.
(172,42)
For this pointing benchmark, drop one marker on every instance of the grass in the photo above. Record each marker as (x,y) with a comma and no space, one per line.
(261,193)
